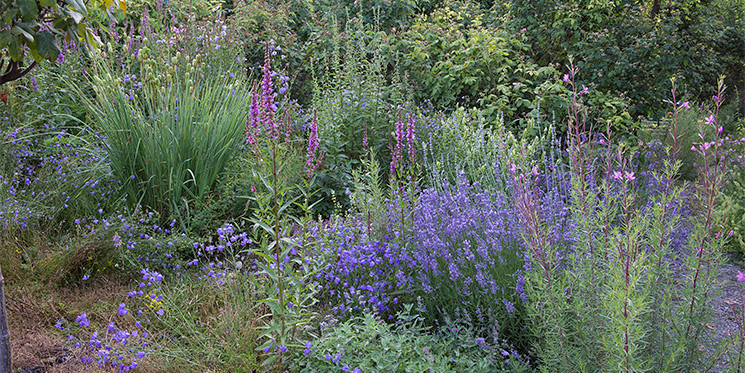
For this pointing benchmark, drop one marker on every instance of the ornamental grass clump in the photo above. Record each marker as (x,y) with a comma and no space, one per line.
(168,141)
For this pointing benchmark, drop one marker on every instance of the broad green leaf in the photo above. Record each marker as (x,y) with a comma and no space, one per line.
(20,31)
(5,38)
(47,45)
(29,9)
(15,49)
(34,51)
(78,5)
(60,24)
(48,3)
(76,17)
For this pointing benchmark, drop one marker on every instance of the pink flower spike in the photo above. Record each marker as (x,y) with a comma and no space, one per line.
(685,105)
(535,170)
(740,276)
(630,176)
(693,148)
(617,175)
(566,77)
(709,120)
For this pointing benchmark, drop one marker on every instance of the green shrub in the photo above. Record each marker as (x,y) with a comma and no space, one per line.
(365,344)
(454,58)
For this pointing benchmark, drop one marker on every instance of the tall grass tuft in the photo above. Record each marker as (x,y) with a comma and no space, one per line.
(168,140)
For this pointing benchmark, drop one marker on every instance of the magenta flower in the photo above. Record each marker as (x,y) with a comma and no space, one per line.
(252,122)
(312,163)
(740,276)
(396,155)
(267,89)
(410,139)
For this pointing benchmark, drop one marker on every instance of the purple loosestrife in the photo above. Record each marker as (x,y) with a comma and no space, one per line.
(267,89)
(252,121)
(397,151)
(410,139)
(313,161)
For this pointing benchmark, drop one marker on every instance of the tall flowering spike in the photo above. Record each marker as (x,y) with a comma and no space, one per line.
(364,137)
(396,151)
(410,138)
(253,120)
(267,89)
(312,163)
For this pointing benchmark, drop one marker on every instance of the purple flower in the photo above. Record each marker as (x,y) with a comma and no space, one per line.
(311,164)
(82,319)
(122,309)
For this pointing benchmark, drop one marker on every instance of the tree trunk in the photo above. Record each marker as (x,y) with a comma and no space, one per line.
(655,9)
(5,358)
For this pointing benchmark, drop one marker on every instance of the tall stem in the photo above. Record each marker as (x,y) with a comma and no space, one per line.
(5,352)
(277,227)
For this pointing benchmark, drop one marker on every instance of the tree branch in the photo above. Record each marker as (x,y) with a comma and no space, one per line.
(14,71)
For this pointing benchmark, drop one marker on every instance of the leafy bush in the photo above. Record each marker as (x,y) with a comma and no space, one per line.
(366,343)
(453,57)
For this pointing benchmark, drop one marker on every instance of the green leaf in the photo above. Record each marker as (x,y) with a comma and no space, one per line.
(34,51)
(15,49)
(48,3)
(5,38)
(29,9)
(46,45)
(76,17)
(20,31)
(77,5)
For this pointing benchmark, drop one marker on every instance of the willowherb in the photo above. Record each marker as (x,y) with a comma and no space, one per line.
(610,302)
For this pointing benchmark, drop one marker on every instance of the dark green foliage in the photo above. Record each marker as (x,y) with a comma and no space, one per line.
(453,58)
(631,51)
